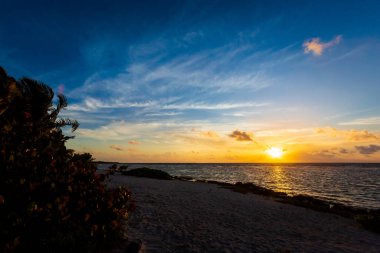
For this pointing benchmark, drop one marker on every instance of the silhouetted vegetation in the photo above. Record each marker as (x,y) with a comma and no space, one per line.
(51,199)
(123,168)
(146,172)
(114,168)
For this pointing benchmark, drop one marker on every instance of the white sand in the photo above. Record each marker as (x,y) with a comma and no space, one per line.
(178,216)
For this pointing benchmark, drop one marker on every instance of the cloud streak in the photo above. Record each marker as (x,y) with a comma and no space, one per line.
(165,85)
(174,84)
(208,106)
(362,121)
(132,131)
(158,108)
(352,135)
(94,104)
(116,148)
(209,69)
(316,47)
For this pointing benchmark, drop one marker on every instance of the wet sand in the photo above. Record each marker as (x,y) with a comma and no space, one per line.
(180,216)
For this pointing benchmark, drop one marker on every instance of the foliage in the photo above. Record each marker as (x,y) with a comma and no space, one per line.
(146,172)
(51,199)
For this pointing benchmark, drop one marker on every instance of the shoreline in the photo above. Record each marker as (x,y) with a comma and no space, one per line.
(271,163)
(343,186)
(367,218)
(205,217)
(302,200)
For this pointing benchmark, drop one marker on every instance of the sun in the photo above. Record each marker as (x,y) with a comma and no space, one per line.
(275,152)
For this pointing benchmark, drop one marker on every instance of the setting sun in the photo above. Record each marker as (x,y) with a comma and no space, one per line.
(275,152)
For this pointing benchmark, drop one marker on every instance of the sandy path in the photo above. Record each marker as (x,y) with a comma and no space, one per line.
(177,216)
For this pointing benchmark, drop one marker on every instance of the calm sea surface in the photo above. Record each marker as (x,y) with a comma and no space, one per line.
(355,185)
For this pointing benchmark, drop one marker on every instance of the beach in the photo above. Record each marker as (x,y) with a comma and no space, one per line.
(181,216)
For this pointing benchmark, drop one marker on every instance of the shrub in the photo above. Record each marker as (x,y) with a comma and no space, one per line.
(123,168)
(51,199)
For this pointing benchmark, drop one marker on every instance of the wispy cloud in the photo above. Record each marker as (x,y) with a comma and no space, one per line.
(133,142)
(133,131)
(93,104)
(206,84)
(316,47)
(212,68)
(163,114)
(197,77)
(157,108)
(362,121)
(115,147)
(368,150)
(121,130)
(210,134)
(208,106)
(241,136)
(203,139)
(352,135)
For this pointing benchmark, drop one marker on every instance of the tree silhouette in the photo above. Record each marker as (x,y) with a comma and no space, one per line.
(51,199)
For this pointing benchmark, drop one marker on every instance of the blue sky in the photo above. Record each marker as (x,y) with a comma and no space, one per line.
(170,80)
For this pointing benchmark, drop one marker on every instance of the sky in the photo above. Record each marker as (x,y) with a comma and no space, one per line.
(206,81)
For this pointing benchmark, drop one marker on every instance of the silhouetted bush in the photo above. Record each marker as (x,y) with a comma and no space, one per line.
(122,168)
(51,200)
(146,172)
(114,168)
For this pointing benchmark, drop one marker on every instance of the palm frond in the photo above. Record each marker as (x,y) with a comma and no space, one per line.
(62,102)
(67,122)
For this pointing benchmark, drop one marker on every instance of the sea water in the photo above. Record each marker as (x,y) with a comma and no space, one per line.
(356,185)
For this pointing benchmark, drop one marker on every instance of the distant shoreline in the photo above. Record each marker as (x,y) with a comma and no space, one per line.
(258,163)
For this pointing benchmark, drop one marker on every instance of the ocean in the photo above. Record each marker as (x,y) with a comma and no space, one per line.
(356,185)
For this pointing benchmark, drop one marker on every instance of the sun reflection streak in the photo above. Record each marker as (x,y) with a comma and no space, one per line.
(280,180)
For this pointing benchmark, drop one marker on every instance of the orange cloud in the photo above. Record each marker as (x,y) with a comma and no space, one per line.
(352,135)
(241,136)
(316,47)
(133,142)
